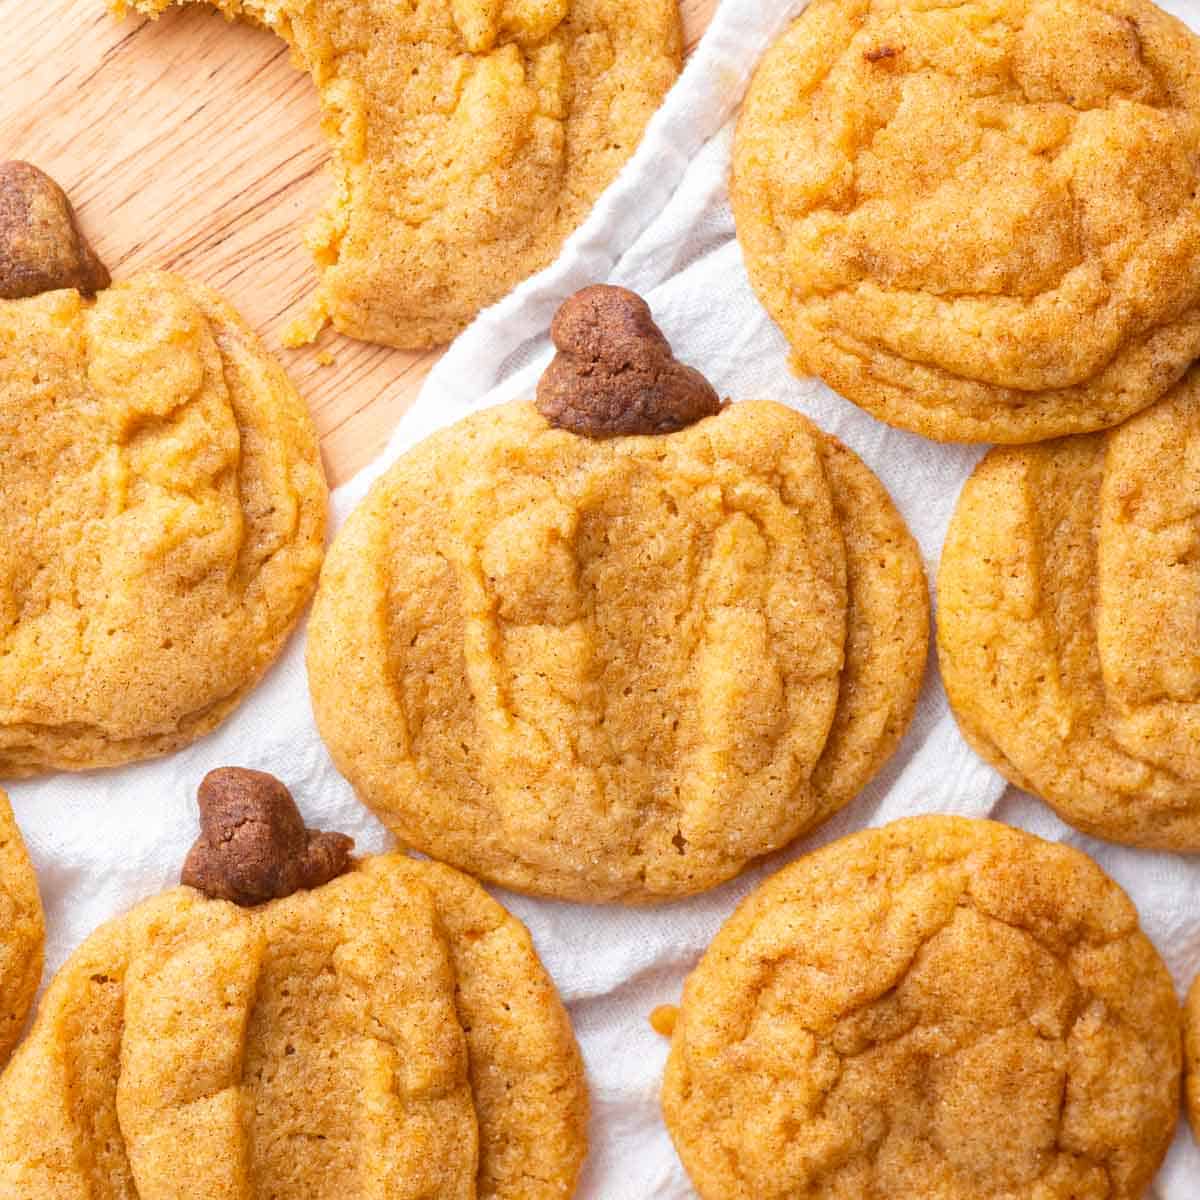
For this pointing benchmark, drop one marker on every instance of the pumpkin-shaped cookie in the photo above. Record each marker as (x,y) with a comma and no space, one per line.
(163,505)
(22,932)
(1069,607)
(939,1008)
(387,1033)
(469,138)
(1191,1054)
(620,644)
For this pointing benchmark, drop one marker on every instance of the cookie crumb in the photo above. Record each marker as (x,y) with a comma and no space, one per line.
(304,329)
(663,1019)
(325,359)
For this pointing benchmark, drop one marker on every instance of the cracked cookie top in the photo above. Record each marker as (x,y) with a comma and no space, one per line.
(617,668)
(1069,601)
(162,525)
(22,932)
(390,1033)
(979,221)
(939,1007)
(469,138)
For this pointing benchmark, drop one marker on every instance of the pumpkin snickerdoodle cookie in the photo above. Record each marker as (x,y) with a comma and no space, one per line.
(1069,599)
(1191,1048)
(939,1008)
(296,1023)
(163,510)
(980,221)
(619,644)
(22,932)
(469,138)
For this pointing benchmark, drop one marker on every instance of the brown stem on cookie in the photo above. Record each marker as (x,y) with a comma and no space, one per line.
(41,246)
(614,373)
(253,844)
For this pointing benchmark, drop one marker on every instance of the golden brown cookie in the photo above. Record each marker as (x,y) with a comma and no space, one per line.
(979,223)
(22,932)
(1191,1054)
(389,1033)
(163,511)
(1069,599)
(942,1007)
(610,666)
(469,138)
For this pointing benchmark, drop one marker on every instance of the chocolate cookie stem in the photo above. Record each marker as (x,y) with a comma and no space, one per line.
(253,845)
(41,246)
(614,374)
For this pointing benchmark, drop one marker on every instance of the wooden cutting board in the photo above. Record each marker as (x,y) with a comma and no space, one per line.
(191,144)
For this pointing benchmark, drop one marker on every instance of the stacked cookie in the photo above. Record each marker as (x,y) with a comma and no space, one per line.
(469,139)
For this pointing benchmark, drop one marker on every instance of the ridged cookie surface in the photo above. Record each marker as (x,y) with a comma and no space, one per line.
(1069,599)
(940,1007)
(980,221)
(617,669)
(22,932)
(469,138)
(162,525)
(390,1034)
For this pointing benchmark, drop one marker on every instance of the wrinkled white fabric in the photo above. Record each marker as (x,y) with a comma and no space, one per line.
(104,840)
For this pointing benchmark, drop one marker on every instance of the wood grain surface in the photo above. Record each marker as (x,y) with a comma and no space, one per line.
(192,144)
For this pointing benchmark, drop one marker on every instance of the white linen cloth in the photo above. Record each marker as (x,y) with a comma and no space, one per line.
(104,840)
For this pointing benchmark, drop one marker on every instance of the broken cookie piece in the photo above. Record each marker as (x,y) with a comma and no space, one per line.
(468,140)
